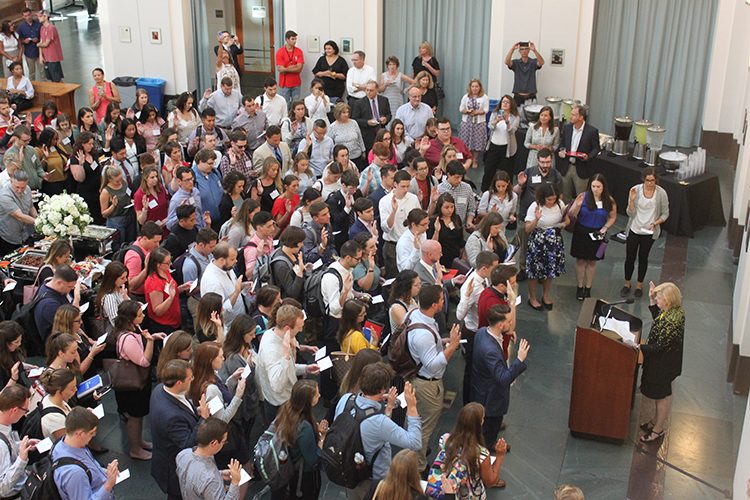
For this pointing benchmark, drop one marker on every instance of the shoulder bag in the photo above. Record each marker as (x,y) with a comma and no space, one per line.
(126,375)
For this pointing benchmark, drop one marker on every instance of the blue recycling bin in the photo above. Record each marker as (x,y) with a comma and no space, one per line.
(155,89)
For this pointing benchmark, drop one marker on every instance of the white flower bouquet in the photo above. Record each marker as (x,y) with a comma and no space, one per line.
(62,215)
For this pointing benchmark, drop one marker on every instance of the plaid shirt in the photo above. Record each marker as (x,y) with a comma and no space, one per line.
(244,164)
(463,195)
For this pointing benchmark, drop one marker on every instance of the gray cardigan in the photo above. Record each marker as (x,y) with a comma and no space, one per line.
(662,207)
(249,407)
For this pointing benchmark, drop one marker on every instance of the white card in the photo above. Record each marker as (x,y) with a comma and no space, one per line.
(275,243)
(191,200)
(102,339)
(244,477)
(304,314)
(462,200)
(44,445)
(157,132)
(66,140)
(459,156)
(324,363)
(424,485)
(144,306)
(402,399)
(215,405)
(274,195)
(166,288)
(84,307)
(518,301)
(317,264)
(599,204)
(492,460)
(378,299)
(166,339)
(35,373)
(128,206)
(122,476)
(335,233)
(99,412)
(320,354)
(193,286)
(246,372)
(536,179)
(388,282)
(94,166)
(128,192)
(10,286)
(153,204)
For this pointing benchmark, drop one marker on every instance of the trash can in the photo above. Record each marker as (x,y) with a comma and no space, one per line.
(155,89)
(126,85)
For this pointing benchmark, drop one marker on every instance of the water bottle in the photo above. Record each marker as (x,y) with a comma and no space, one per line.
(359,461)
(283,457)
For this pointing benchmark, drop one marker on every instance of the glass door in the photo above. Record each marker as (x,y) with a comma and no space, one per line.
(256,25)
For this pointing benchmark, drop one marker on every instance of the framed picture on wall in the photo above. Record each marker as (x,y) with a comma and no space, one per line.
(558,57)
(347,45)
(155,35)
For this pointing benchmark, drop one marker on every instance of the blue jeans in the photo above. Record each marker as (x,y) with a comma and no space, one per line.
(290,94)
(126,225)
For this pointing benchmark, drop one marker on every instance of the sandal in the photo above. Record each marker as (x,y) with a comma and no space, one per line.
(648,426)
(649,437)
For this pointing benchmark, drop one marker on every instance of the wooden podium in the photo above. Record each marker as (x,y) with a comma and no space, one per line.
(604,375)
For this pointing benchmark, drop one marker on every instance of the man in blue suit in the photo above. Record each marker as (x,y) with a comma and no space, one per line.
(491,377)
(174,424)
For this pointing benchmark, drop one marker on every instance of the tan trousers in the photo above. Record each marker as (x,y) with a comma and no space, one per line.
(572,185)
(430,395)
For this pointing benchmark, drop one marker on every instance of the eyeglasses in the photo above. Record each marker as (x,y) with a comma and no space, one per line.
(649,180)
(241,146)
(166,263)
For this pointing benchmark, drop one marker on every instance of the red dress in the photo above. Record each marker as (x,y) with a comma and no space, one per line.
(155,283)
(279,208)
(156,212)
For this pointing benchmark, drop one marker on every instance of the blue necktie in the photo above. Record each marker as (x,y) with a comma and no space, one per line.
(277,152)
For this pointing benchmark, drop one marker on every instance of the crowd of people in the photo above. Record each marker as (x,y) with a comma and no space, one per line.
(257,231)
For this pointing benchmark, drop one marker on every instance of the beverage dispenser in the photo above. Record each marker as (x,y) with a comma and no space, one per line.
(623,126)
(655,139)
(641,139)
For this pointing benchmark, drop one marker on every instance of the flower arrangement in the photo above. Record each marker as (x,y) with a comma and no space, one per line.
(62,215)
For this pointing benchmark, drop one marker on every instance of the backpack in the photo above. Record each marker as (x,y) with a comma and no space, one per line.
(314,303)
(344,442)
(263,270)
(119,256)
(24,316)
(399,356)
(178,264)
(270,463)
(32,427)
(40,483)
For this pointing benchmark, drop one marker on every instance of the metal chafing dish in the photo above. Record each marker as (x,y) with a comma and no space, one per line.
(96,239)
(21,268)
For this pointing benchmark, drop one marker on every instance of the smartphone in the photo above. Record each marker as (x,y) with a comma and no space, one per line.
(523,45)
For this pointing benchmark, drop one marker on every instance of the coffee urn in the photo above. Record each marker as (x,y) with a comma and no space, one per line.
(641,139)
(556,103)
(655,139)
(623,126)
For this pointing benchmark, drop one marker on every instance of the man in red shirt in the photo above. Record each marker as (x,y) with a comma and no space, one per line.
(289,62)
(443,139)
(51,51)
(502,275)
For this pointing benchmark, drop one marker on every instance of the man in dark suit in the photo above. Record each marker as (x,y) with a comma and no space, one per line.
(491,377)
(232,46)
(340,203)
(371,113)
(174,424)
(365,222)
(582,139)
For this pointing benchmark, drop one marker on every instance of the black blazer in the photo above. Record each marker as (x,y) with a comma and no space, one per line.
(173,428)
(339,217)
(362,112)
(234,51)
(589,144)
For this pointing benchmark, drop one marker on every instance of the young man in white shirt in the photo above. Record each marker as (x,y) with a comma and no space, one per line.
(394,208)
(467,310)
(14,454)
(272,104)
(219,277)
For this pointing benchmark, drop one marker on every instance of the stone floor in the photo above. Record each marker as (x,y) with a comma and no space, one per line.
(706,418)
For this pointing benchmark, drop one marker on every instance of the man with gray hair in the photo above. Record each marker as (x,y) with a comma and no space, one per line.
(358,76)
(17,213)
(12,163)
(371,113)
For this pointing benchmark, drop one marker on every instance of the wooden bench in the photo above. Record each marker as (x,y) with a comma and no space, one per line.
(63,94)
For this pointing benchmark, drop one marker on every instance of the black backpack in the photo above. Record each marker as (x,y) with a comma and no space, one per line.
(40,484)
(119,255)
(399,356)
(32,427)
(344,442)
(314,303)
(178,264)
(24,316)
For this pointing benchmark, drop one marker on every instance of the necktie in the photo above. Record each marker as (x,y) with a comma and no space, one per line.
(126,172)
(352,215)
(434,272)
(375,114)
(277,152)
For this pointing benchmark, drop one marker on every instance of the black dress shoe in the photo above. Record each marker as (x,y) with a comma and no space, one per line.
(536,308)
(548,305)
(586,293)
(579,293)
(521,276)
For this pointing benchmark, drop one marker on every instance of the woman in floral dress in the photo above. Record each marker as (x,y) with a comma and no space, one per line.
(475,105)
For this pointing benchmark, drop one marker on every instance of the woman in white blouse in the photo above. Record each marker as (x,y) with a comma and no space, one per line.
(542,134)
(113,290)
(60,386)
(503,124)
(475,105)
(9,46)
(500,198)
(19,89)
(184,118)
(317,103)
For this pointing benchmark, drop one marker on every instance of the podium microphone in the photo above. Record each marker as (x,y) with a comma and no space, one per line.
(626,301)
(609,311)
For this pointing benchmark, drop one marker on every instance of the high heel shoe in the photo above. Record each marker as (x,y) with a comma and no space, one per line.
(652,436)
(648,426)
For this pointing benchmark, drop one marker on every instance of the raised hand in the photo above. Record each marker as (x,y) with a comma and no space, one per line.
(207,94)
(394,203)
(324,237)
(523,350)
(235,471)
(538,212)
(437,222)
(434,195)
(500,447)
(469,288)
(207,218)
(511,292)
(112,473)
(114,201)
(632,194)
(521,178)
(215,319)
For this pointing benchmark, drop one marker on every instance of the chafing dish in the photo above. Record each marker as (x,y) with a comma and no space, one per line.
(96,239)
(26,266)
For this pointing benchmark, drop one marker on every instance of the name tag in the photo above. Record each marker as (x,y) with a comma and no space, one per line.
(287,159)
(462,200)
(34,158)
(459,156)
(536,179)
(327,152)
(451,225)
(218,183)
(274,195)
(52,149)
(157,132)
(137,114)
(191,200)
(599,204)
(153,204)
(128,191)
(94,166)
(66,140)
(166,288)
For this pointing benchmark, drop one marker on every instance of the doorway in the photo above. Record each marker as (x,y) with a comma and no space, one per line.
(255,25)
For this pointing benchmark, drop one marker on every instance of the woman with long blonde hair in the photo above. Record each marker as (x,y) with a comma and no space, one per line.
(402,482)
(268,186)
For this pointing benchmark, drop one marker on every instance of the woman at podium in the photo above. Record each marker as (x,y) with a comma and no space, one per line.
(662,354)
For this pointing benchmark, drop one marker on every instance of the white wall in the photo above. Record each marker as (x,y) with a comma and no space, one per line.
(216,24)
(361,20)
(550,24)
(171,60)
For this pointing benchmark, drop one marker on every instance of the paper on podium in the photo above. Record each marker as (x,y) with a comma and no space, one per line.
(621,328)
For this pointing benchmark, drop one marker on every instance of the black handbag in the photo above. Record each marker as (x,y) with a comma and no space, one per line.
(126,375)
(439,92)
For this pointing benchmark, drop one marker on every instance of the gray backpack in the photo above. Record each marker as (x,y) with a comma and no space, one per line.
(274,462)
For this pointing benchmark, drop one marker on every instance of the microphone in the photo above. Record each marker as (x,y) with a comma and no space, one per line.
(609,310)
(626,301)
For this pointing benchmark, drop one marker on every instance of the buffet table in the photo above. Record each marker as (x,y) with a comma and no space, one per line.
(692,205)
